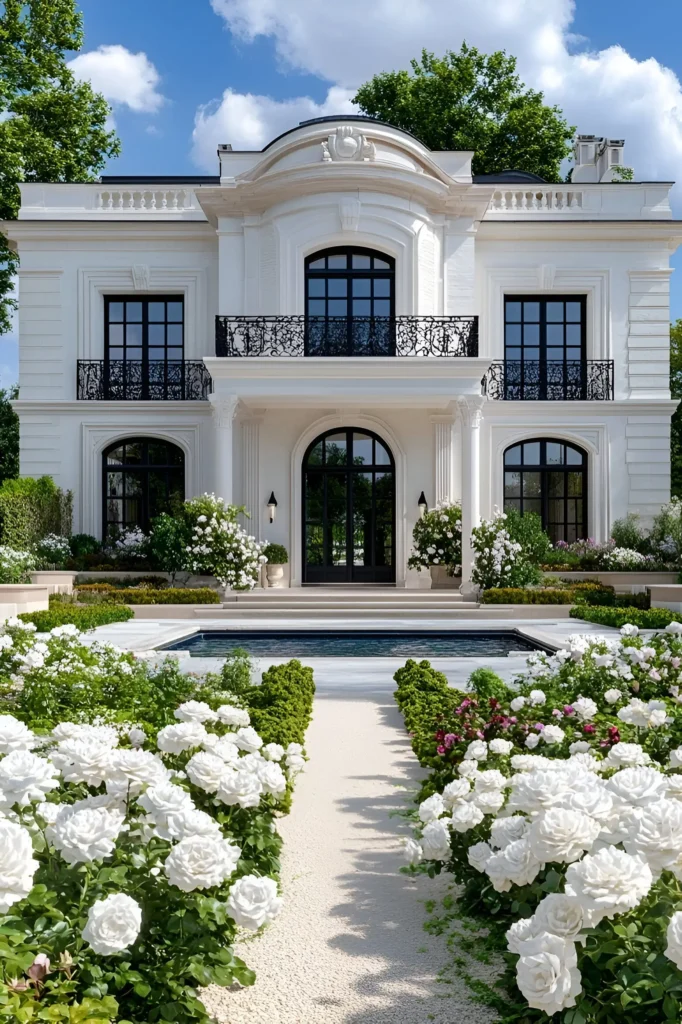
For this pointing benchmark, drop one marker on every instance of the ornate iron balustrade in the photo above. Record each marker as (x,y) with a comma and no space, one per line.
(570,381)
(300,335)
(136,380)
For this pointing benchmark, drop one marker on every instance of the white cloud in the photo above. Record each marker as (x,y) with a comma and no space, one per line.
(125,78)
(603,93)
(249,122)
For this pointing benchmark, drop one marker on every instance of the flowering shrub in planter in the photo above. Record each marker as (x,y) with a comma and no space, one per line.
(219,546)
(558,807)
(130,856)
(498,560)
(15,566)
(437,538)
(53,550)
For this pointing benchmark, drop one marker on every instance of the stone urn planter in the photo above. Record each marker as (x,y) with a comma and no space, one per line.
(440,580)
(275,575)
(277,566)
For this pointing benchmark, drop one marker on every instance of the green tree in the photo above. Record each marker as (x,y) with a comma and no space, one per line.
(9,435)
(676,422)
(52,127)
(471,100)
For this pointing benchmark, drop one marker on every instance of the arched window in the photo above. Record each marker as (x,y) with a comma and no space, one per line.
(348,509)
(349,302)
(142,477)
(550,478)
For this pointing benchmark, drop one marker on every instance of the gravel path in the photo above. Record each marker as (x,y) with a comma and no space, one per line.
(349,946)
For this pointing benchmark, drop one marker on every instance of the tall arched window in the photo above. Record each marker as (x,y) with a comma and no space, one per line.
(550,478)
(142,477)
(349,302)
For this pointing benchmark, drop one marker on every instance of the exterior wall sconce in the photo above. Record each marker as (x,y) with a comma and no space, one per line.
(423,507)
(272,506)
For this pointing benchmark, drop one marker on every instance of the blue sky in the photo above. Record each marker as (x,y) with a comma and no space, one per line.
(183,76)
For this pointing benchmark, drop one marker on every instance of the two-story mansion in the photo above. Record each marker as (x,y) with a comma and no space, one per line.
(339,324)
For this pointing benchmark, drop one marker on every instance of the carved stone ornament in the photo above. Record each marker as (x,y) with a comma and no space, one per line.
(347,143)
(140,277)
(349,214)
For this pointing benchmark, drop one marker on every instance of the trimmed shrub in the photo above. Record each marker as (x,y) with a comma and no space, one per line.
(282,705)
(276,554)
(84,544)
(122,583)
(30,509)
(521,595)
(171,595)
(652,618)
(486,684)
(84,618)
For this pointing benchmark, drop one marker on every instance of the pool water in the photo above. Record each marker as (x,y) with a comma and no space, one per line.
(358,644)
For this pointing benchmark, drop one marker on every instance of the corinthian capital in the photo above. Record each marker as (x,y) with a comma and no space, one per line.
(224,409)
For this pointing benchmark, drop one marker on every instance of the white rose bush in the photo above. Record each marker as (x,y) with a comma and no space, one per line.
(566,835)
(437,538)
(137,836)
(219,546)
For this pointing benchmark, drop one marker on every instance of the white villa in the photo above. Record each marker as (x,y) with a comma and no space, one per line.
(341,326)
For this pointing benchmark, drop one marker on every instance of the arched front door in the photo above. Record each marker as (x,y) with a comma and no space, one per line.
(348,509)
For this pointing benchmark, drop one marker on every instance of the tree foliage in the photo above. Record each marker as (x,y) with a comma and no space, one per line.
(676,422)
(9,435)
(52,127)
(472,101)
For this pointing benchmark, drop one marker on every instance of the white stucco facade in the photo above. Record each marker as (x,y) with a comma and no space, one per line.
(237,246)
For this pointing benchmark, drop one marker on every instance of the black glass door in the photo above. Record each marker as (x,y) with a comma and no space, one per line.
(349,303)
(545,348)
(348,509)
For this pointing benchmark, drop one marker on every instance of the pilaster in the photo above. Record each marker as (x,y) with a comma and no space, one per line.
(224,410)
(471,415)
(250,460)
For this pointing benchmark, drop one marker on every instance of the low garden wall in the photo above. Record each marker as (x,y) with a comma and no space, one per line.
(16,598)
(621,581)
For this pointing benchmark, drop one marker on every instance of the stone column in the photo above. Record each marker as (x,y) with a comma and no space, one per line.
(224,409)
(250,496)
(443,452)
(471,414)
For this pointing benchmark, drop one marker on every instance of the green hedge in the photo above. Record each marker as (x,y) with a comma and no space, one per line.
(30,509)
(170,595)
(83,617)
(520,595)
(282,705)
(653,618)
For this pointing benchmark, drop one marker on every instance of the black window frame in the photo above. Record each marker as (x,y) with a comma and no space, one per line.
(143,375)
(544,467)
(144,468)
(349,333)
(544,377)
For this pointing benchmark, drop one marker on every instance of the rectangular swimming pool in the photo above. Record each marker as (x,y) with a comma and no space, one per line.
(325,643)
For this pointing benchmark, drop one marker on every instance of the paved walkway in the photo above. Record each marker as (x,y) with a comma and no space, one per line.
(350,946)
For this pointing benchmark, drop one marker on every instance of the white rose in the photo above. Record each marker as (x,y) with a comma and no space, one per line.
(530,762)
(532,740)
(233,716)
(189,821)
(561,835)
(83,760)
(136,768)
(612,696)
(579,747)
(17,864)
(519,933)
(85,833)
(499,746)
(175,739)
(626,755)
(673,950)
(585,708)
(294,748)
(559,915)
(517,703)
(137,737)
(24,777)
(431,808)
(547,973)
(489,781)
(253,902)
(412,851)
(295,763)
(515,863)
(201,862)
(164,798)
(478,855)
(272,778)
(195,711)
(273,751)
(537,697)
(656,835)
(504,831)
(223,747)
(14,735)
(467,769)
(674,791)
(435,841)
(100,734)
(553,734)
(248,739)
(535,791)
(456,790)
(592,798)
(113,924)
(629,630)
(638,786)
(676,758)
(608,882)
(466,816)
(240,787)
(476,751)
(205,770)
(674,627)
(489,801)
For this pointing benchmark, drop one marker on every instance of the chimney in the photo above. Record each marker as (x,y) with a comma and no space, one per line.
(596,158)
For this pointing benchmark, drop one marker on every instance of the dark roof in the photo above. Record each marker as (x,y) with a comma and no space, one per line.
(509,178)
(160,179)
(345,118)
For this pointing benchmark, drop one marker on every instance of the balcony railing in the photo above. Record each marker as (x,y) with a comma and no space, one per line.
(103,380)
(238,336)
(571,381)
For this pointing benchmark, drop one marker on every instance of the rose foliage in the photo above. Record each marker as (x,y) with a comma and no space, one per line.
(557,806)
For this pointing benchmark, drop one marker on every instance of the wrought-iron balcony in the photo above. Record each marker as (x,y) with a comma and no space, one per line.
(568,381)
(135,380)
(301,335)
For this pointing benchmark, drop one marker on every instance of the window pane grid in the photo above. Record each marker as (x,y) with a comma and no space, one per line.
(141,329)
(142,479)
(549,478)
(349,292)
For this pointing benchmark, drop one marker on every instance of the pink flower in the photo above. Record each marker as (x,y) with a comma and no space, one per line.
(654,675)
(675,662)
(513,719)
(589,728)
(539,726)
(568,709)
(557,713)
(449,739)
(441,750)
